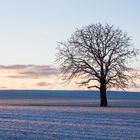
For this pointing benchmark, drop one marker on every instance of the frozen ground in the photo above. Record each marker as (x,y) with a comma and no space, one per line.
(68,118)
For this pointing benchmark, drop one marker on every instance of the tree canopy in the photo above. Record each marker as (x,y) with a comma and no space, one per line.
(100,53)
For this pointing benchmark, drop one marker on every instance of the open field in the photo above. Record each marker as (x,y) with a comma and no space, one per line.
(40,116)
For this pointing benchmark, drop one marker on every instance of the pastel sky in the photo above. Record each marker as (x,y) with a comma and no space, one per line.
(31,29)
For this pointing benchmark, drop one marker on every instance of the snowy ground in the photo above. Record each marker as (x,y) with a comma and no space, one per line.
(69,119)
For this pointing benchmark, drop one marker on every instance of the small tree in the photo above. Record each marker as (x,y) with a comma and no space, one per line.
(97,53)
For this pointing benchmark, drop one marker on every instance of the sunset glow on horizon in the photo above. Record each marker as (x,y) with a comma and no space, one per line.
(45,77)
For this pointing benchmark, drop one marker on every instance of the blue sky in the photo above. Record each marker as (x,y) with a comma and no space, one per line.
(31,29)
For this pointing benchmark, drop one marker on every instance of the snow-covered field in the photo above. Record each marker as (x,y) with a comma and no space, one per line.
(40,116)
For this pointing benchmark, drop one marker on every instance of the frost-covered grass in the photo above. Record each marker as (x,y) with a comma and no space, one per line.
(69,119)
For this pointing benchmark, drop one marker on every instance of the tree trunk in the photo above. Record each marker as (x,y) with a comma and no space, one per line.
(103,98)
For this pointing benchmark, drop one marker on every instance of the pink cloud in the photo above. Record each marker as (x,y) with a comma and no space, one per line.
(42,84)
(3,87)
(12,67)
(30,71)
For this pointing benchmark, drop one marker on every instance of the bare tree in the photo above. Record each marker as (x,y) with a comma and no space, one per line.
(100,53)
